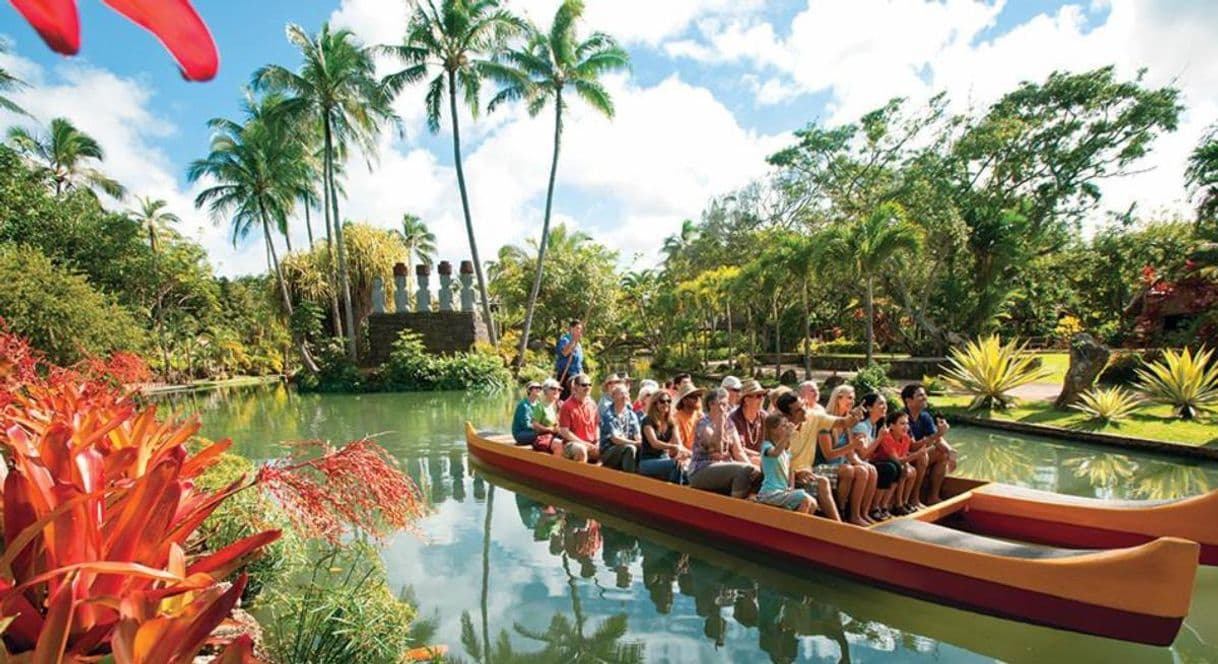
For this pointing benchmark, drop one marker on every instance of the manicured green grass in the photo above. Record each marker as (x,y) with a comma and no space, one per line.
(1152,421)
(1057,364)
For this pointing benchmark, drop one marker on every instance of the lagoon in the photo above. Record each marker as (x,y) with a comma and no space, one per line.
(537,575)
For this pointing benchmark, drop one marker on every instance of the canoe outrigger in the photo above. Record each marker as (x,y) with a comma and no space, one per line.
(1139,592)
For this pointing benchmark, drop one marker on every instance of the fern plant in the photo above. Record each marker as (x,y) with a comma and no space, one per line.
(989,370)
(1187,382)
(1107,404)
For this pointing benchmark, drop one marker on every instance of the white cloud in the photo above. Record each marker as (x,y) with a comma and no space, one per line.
(864,53)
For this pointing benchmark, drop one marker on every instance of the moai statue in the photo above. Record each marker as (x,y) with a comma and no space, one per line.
(423,297)
(401,296)
(446,286)
(378,295)
(467,285)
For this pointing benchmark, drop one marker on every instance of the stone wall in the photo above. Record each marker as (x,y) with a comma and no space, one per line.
(442,331)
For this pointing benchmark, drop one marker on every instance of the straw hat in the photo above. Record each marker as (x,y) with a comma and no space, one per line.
(751,387)
(687,390)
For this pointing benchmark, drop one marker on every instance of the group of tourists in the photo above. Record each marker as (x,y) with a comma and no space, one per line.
(850,459)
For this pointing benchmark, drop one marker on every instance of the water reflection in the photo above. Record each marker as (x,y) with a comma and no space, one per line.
(555,581)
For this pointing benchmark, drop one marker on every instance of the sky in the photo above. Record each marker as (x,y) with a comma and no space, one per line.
(715,86)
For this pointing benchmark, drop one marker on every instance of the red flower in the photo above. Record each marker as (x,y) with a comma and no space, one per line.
(174,22)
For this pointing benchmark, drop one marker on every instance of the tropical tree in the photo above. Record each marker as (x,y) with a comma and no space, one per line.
(549,64)
(335,88)
(1202,178)
(9,83)
(866,247)
(420,246)
(155,220)
(258,172)
(453,40)
(62,157)
(678,244)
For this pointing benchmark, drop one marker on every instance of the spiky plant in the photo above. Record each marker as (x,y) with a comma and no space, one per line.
(1186,381)
(989,369)
(1107,404)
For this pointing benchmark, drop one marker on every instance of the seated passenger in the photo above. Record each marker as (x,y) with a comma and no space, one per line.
(579,424)
(928,431)
(606,400)
(647,390)
(522,420)
(803,442)
(875,409)
(844,440)
(620,436)
(749,418)
(545,419)
(688,413)
(732,384)
(718,462)
(679,381)
(778,483)
(660,455)
(894,447)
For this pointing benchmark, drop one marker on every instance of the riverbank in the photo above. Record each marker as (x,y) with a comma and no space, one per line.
(157,389)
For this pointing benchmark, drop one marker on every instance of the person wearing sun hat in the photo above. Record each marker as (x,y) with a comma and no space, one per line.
(606,401)
(545,418)
(688,412)
(732,384)
(522,420)
(749,417)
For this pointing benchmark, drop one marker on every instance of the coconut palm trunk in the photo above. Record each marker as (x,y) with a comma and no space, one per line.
(305,357)
(545,235)
(308,224)
(869,311)
(469,224)
(343,278)
(807,333)
(331,276)
(160,301)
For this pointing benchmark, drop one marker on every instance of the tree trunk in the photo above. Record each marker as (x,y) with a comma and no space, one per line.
(777,341)
(331,276)
(287,237)
(343,278)
(160,303)
(305,357)
(807,333)
(731,354)
(486,569)
(868,311)
(308,223)
(469,224)
(545,235)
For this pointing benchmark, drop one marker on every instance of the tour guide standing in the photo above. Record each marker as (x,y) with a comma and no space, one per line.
(570,356)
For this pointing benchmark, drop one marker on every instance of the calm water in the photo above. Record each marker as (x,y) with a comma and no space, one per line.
(533,573)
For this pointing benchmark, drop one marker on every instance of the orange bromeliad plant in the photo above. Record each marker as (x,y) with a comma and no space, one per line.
(99,512)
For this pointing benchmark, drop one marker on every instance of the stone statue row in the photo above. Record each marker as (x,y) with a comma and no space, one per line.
(422,295)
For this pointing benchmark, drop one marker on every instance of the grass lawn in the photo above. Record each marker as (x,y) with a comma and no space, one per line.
(1057,364)
(1153,421)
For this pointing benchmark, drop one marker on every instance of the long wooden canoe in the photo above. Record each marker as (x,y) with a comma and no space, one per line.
(1136,593)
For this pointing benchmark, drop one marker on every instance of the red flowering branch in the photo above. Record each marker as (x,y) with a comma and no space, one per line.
(329,492)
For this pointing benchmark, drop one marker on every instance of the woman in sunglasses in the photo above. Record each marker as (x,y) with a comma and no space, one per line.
(661,456)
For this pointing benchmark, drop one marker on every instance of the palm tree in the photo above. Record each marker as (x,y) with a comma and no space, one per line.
(865,247)
(258,172)
(548,65)
(336,88)
(453,40)
(677,246)
(61,156)
(798,256)
(9,83)
(420,245)
(152,216)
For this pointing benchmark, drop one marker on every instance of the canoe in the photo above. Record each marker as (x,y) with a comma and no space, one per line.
(1136,593)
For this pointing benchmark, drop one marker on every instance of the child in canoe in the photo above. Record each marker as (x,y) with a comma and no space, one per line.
(778,485)
(893,450)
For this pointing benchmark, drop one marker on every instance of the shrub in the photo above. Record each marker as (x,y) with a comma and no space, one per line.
(340,611)
(477,370)
(1107,404)
(988,369)
(59,311)
(873,378)
(1183,380)
(1067,327)
(934,385)
(841,346)
(411,367)
(336,372)
(1122,367)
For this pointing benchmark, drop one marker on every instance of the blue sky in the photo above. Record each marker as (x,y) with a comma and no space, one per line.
(716,85)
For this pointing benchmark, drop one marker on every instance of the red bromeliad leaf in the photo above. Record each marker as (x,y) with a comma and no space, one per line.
(54,637)
(175,23)
(205,458)
(239,651)
(223,562)
(55,20)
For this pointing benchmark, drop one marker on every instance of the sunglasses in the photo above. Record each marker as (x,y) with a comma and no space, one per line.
(584,384)
(664,401)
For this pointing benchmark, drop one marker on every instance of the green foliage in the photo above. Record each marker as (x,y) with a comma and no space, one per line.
(934,385)
(988,370)
(59,311)
(339,610)
(873,378)
(336,372)
(411,367)
(1202,179)
(1123,366)
(1186,381)
(60,158)
(1107,404)
(242,515)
